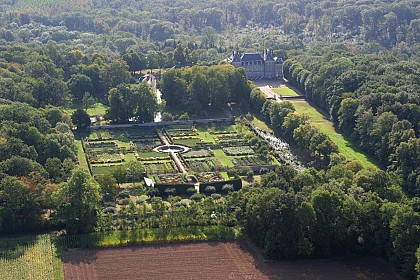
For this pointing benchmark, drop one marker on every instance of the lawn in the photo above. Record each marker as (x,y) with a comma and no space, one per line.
(260,124)
(345,147)
(223,158)
(97,109)
(285,92)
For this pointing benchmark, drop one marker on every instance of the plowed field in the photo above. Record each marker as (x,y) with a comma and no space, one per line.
(210,260)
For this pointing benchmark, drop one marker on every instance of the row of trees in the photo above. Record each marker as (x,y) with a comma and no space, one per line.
(373,100)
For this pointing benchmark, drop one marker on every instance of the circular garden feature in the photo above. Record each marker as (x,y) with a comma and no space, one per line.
(171,149)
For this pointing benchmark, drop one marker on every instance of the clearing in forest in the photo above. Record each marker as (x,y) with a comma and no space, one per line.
(345,147)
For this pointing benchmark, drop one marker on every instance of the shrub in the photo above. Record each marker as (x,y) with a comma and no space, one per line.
(124,201)
(123,194)
(109,210)
(216,196)
(170,191)
(197,196)
(152,192)
(184,117)
(210,189)
(227,188)
(191,191)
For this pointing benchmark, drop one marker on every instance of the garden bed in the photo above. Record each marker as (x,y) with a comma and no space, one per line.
(250,161)
(204,165)
(159,167)
(198,154)
(209,177)
(238,151)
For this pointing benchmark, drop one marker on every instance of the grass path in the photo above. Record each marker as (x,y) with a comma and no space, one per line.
(81,156)
(345,147)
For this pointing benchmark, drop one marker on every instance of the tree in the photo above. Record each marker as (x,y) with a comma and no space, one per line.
(405,234)
(132,101)
(79,84)
(107,184)
(115,73)
(19,206)
(88,100)
(180,55)
(54,167)
(79,202)
(81,119)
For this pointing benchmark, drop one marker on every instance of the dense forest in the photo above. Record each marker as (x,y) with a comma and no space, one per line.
(357,61)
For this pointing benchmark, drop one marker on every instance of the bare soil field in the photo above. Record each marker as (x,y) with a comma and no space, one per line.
(209,260)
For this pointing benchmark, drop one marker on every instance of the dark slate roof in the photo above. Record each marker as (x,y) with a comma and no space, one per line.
(268,56)
(278,60)
(235,57)
(252,57)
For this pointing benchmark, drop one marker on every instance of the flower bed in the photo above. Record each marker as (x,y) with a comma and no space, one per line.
(203,165)
(170,179)
(134,133)
(250,161)
(181,131)
(105,158)
(99,135)
(232,142)
(163,157)
(238,151)
(209,177)
(145,145)
(100,145)
(159,167)
(198,154)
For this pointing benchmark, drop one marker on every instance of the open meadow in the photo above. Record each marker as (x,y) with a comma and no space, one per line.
(345,147)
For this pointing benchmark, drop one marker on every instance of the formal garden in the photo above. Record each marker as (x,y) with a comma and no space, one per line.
(213,153)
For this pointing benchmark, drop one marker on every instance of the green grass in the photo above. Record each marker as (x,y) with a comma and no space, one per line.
(259,123)
(285,92)
(187,142)
(151,154)
(97,109)
(103,169)
(29,257)
(81,156)
(304,108)
(223,158)
(345,147)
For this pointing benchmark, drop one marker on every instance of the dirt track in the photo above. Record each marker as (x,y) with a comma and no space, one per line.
(211,260)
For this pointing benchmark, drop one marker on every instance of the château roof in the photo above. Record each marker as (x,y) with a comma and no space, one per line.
(278,60)
(268,55)
(252,57)
(235,57)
